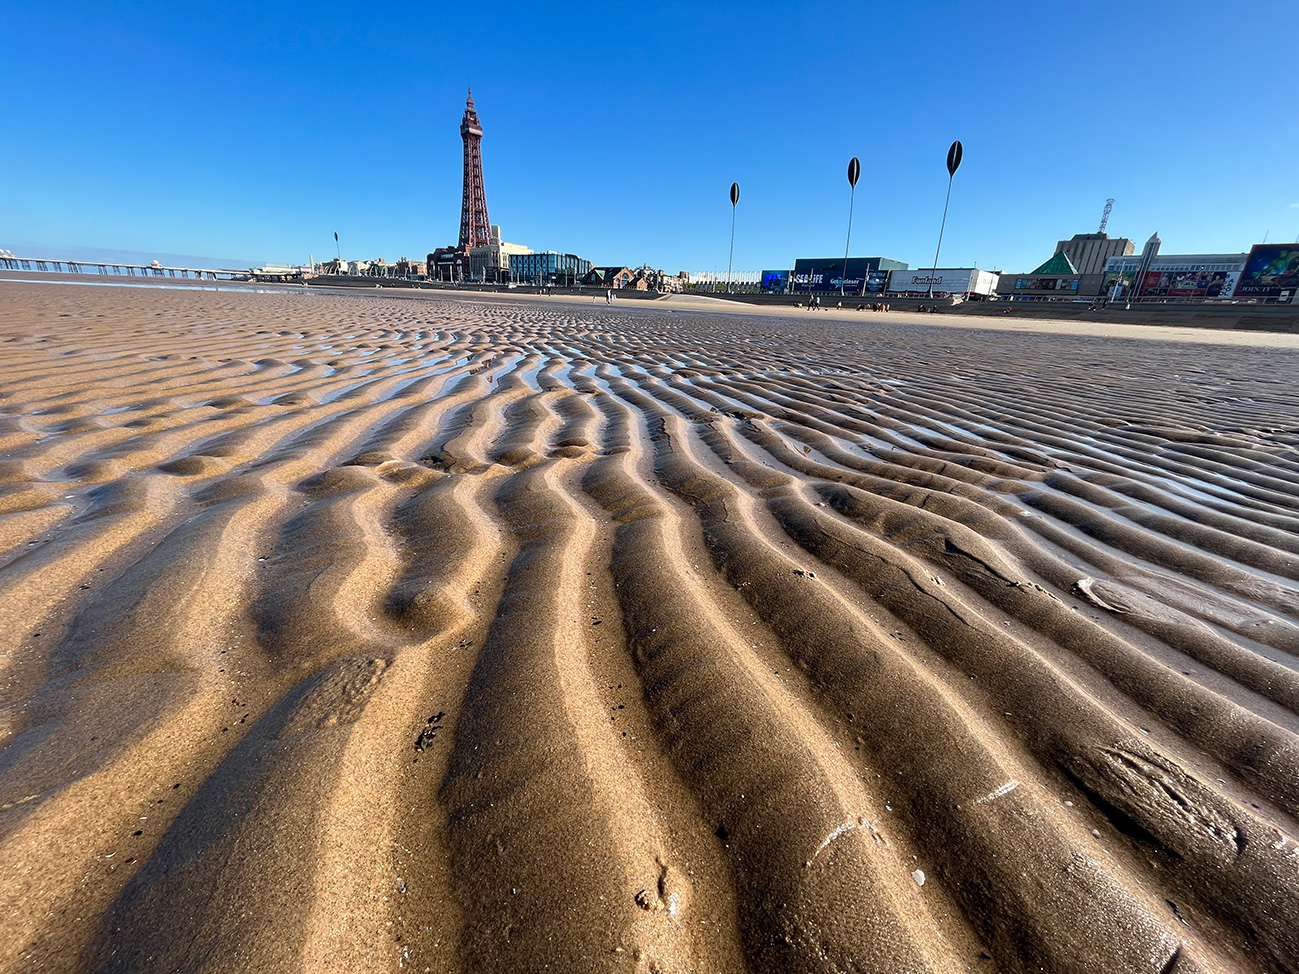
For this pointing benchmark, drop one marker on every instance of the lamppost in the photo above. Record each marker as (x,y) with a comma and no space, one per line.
(954,154)
(735,198)
(854,171)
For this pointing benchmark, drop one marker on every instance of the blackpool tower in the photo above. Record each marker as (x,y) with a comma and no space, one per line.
(474,228)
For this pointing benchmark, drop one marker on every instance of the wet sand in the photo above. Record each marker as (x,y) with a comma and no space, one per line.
(384,633)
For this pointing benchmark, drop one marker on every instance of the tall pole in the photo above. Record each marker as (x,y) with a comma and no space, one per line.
(954,154)
(735,198)
(854,170)
(1148,254)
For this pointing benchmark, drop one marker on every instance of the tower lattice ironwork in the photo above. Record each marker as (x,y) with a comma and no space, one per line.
(474,227)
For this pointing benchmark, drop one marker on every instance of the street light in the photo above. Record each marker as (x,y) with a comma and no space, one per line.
(854,171)
(954,154)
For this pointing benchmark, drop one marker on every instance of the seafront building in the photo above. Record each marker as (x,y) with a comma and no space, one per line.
(1077,268)
(1085,267)
(1091,267)
(490,262)
(454,263)
(943,282)
(549,267)
(481,254)
(1175,276)
(608,277)
(878,277)
(859,275)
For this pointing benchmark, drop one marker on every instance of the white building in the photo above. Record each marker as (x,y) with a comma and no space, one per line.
(491,261)
(947,281)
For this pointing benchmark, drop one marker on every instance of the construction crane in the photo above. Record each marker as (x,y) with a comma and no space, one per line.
(1105,217)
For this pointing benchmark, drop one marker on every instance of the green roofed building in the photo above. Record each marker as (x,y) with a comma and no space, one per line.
(1075,270)
(1059,264)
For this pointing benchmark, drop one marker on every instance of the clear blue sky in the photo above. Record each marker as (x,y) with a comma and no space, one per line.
(257,130)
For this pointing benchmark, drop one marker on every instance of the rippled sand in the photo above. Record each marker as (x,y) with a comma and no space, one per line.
(356,633)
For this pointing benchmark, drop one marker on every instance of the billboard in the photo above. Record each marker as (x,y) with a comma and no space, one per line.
(1197,284)
(827,279)
(810,281)
(1155,284)
(1046,284)
(1117,283)
(775,280)
(1269,270)
(1183,284)
(1180,284)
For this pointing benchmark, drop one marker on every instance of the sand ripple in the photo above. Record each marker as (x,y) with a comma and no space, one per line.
(375,634)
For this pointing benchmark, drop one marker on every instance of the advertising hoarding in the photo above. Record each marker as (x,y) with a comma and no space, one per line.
(1196,284)
(1269,270)
(1155,285)
(1117,283)
(827,279)
(1182,284)
(1046,284)
(775,280)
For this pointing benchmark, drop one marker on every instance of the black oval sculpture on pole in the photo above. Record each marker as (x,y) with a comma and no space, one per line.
(854,172)
(735,198)
(954,154)
(954,158)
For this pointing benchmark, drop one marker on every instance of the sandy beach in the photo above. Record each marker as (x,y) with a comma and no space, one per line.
(380,633)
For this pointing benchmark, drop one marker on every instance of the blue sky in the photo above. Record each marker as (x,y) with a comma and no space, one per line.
(257,130)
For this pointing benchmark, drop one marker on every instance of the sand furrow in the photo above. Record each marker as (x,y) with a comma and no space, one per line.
(421,630)
(722,715)
(559,858)
(988,878)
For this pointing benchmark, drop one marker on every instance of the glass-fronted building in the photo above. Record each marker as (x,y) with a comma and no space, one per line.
(548,268)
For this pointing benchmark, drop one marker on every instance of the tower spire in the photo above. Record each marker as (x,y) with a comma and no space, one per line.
(474,226)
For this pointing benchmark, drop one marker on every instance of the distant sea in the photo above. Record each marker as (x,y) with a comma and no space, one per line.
(25,248)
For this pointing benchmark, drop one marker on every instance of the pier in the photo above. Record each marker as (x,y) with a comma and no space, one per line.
(108,268)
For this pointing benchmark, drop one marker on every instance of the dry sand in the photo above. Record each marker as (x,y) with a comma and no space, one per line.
(383,633)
